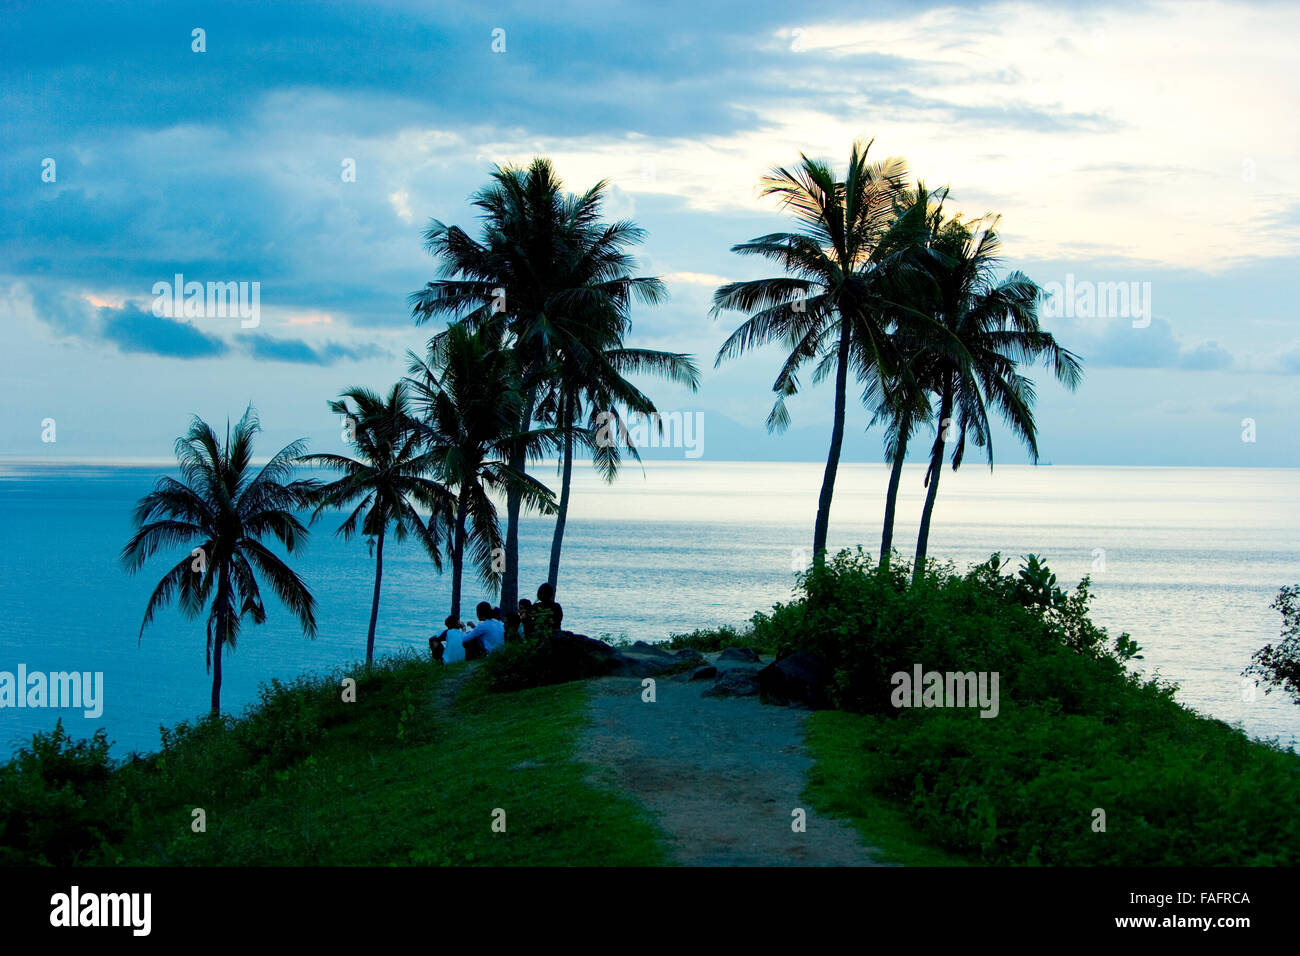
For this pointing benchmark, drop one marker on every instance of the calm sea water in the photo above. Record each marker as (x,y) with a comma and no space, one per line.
(1191,556)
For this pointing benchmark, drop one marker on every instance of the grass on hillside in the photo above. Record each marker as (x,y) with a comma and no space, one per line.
(837,788)
(406,775)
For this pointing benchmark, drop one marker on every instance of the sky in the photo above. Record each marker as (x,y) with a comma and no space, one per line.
(306,147)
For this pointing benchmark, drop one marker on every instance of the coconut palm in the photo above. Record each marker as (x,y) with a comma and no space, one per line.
(585,399)
(544,270)
(391,478)
(829,304)
(902,400)
(468,405)
(219,513)
(989,326)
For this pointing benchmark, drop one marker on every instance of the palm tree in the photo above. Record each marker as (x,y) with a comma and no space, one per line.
(589,377)
(545,269)
(902,400)
(469,404)
(219,512)
(829,304)
(390,478)
(988,327)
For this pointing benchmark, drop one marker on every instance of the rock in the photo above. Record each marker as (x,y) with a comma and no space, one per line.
(653,663)
(576,656)
(745,654)
(797,679)
(642,647)
(736,682)
(708,672)
(628,664)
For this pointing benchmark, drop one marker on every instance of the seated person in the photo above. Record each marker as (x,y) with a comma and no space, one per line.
(487,636)
(547,616)
(447,646)
(525,618)
(514,628)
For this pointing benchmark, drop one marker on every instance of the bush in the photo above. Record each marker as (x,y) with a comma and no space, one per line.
(709,640)
(1075,731)
(64,802)
(1278,665)
(59,802)
(869,622)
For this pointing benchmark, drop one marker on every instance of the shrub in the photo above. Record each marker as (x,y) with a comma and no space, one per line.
(1075,731)
(59,802)
(869,622)
(708,640)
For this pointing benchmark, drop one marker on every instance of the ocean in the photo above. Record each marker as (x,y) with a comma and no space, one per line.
(1184,559)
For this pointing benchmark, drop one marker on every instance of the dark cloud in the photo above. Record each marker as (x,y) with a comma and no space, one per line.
(62,310)
(134,330)
(299,352)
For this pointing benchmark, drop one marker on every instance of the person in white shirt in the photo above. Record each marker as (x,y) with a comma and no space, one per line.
(489,633)
(447,647)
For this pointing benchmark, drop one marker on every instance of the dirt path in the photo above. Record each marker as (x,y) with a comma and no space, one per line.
(720,776)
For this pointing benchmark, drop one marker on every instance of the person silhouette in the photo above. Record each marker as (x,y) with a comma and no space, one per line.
(547,614)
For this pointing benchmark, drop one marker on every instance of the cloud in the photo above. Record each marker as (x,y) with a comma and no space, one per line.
(401,203)
(299,352)
(62,310)
(1120,345)
(134,330)
(1205,357)
(1289,362)
(695,278)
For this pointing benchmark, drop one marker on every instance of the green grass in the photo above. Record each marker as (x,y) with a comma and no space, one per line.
(838,785)
(408,774)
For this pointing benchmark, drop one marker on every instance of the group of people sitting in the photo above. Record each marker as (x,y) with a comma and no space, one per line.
(492,630)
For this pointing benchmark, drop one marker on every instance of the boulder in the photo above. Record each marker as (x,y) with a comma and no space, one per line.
(643,647)
(743,654)
(575,656)
(656,662)
(736,682)
(708,672)
(799,679)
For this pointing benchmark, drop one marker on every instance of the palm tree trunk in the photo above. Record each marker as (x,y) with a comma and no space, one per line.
(223,604)
(891,501)
(374,604)
(562,516)
(833,457)
(458,553)
(514,501)
(936,469)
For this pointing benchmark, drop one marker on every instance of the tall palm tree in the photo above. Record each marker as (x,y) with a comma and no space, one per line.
(589,384)
(989,327)
(220,512)
(902,400)
(828,305)
(544,269)
(468,402)
(389,480)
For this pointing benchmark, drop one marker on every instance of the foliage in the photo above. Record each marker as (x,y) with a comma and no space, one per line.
(708,640)
(59,802)
(1278,665)
(286,782)
(1075,731)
